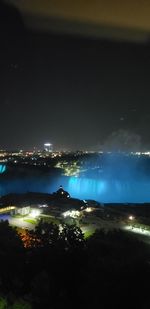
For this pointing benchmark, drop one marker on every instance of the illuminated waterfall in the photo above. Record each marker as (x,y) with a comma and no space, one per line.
(2,168)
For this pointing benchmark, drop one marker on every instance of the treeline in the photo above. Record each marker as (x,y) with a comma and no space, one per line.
(53,268)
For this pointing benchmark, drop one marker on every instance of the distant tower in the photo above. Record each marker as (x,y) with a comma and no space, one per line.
(48,147)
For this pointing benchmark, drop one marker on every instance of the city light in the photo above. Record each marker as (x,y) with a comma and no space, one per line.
(35,213)
(48,147)
(71,213)
(70,169)
(43,206)
(131,218)
(88,209)
(137,230)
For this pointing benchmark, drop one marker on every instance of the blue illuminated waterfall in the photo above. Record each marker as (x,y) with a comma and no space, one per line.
(2,168)
(123,179)
(109,179)
(109,191)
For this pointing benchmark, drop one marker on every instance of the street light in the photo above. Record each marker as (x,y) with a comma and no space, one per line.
(131,218)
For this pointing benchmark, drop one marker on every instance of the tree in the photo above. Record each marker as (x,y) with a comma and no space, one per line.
(48,233)
(21,304)
(3,303)
(12,256)
(72,237)
(45,235)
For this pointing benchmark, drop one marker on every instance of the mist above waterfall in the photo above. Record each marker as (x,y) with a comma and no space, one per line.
(123,140)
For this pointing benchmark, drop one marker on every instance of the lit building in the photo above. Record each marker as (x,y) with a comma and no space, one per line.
(48,147)
(23,211)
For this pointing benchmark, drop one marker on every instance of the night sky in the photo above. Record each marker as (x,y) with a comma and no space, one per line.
(74,91)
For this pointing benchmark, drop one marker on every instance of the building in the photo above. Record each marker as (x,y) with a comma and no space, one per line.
(48,147)
(61,193)
(23,211)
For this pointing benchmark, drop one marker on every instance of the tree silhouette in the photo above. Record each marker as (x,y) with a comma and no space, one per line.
(72,237)
(12,257)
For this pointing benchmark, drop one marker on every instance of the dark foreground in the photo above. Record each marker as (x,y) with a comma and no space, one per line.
(47,268)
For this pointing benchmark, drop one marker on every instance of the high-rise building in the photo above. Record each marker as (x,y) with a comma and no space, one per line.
(48,147)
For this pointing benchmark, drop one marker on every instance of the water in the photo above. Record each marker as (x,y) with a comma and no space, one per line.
(121,179)
(110,191)
(2,168)
(117,178)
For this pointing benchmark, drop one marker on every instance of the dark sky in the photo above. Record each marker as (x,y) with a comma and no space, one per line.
(128,14)
(72,91)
